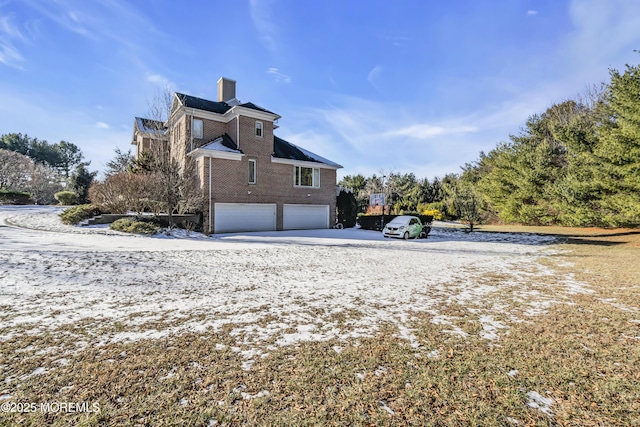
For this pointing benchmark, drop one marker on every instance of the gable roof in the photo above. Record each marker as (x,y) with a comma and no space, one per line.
(150,126)
(203,104)
(214,106)
(285,150)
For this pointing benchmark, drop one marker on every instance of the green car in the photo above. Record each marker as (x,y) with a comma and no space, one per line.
(404,227)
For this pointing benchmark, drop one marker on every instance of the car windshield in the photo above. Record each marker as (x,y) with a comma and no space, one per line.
(399,221)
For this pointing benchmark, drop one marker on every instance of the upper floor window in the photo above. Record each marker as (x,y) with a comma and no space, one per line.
(197,129)
(259,129)
(252,171)
(306,177)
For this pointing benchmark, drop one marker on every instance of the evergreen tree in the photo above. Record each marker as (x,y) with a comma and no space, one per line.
(618,151)
(80,181)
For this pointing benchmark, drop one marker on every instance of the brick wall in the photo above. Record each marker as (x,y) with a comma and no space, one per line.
(230,178)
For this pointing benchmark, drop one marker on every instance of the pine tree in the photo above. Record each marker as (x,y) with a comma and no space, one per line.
(618,151)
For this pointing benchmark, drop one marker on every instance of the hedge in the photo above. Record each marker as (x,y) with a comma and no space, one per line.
(79,213)
(374,222)
(66,197)
(136,226)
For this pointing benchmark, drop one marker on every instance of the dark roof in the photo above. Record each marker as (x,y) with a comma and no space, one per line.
(149,125)
(286,150)
(203,104)
(228,142)
(213,106)
(256,107)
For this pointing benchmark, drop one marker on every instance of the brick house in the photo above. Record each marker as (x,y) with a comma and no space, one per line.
(252,179)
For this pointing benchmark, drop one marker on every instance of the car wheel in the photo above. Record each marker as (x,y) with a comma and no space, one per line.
(406,235)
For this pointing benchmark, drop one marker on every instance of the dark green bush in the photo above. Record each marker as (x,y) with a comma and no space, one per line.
(135,225)
(66,197)
(15,197)
(79,213)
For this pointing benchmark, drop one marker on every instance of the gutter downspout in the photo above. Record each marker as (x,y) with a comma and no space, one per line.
(191,133)
(210,204)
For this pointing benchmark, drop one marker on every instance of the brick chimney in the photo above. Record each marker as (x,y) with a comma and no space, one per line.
(226,89)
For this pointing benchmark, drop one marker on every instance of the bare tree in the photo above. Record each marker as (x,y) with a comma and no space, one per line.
(176,189)
(20,173)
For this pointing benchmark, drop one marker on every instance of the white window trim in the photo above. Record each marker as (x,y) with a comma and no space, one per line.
(195,134)
(255,172)
(260,126)
(297,176)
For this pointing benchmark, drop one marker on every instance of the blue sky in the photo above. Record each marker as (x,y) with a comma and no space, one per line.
(407,85)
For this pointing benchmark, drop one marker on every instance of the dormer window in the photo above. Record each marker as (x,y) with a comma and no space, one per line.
(259,129)
(197,129)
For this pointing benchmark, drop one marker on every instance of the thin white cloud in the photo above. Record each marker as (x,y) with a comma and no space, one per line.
(397,40)
(95,21)
(532,12)
(9,53)
(161,81)
(374,77)
(7,28)
(426,131)
(604,35)
(264,22)
(102,125)
(278,76)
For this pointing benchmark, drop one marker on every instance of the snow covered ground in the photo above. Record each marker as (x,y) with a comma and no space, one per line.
(271,289)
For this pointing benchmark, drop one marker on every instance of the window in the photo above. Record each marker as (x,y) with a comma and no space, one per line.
(306,177)
(252,171)
(197,128)
(259,129)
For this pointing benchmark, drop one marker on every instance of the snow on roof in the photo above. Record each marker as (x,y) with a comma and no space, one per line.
(317,157)
(285,150)
(218,145)
(150,126)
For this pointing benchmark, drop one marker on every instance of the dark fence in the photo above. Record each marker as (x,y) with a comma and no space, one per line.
(375,222)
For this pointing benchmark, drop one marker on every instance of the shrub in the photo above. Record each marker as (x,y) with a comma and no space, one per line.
(136,226)
(79,213)
(15,197)
(66,197)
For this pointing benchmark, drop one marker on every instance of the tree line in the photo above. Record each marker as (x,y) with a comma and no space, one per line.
(42,170)
(575,164)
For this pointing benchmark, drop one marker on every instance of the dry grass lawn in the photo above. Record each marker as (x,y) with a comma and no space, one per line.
(584,356)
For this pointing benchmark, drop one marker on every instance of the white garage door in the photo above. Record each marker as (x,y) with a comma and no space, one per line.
(233,217)
(303,217)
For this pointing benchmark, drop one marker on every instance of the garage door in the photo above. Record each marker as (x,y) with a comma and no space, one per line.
(303,217)
(233,217)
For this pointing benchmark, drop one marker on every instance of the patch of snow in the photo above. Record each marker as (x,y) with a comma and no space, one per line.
(247,396)
(381,370)
(513,373)
(39,371)
(384,406)
(490,327)
(271,287)
(539,402)
(217,145)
